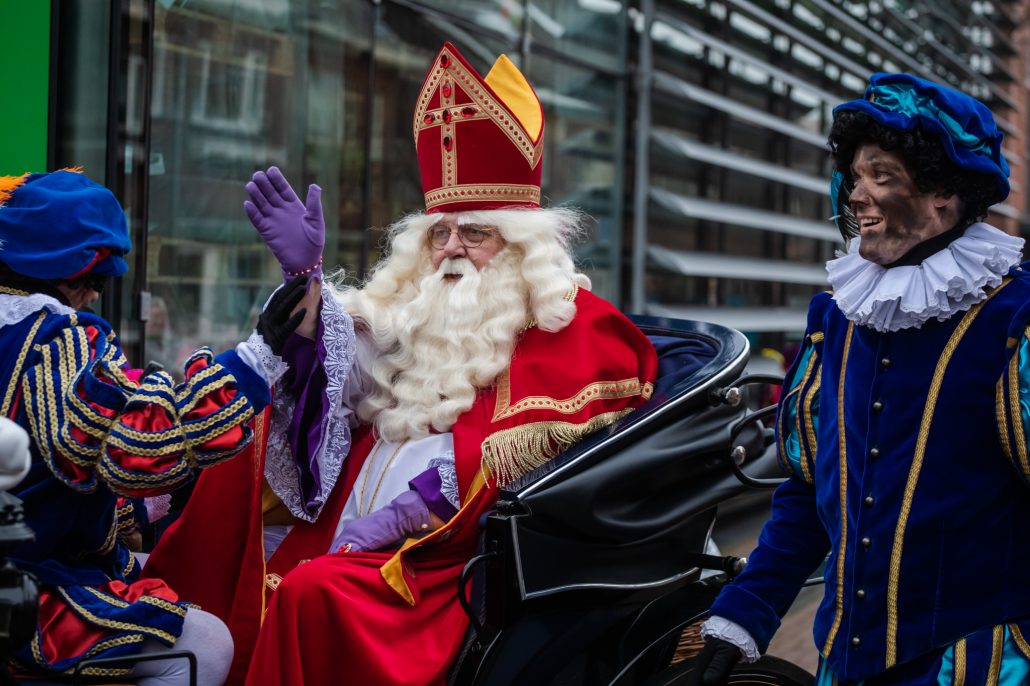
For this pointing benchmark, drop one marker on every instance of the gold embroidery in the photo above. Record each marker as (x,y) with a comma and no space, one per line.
(599,390)
(166,605)
(1002,415)
(112,600)
(817,336)
(804,403)
(959,678)
(197,393)
(782,428)
(483,192)
(842,442)
(12,385)
(130,565)
(273,580)
(480,94)
(813,444)
(37,655)
(1021,642)
(382,475)
(894,573)
(111,624)
(997,646)
(1018,430)
(448,151)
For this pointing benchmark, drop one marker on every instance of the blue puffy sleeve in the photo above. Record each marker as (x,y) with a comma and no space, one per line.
(797,419)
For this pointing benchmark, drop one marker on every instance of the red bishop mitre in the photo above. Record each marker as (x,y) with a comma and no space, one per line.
(479,140)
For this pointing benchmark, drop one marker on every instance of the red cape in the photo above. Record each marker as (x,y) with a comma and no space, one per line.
(393,618)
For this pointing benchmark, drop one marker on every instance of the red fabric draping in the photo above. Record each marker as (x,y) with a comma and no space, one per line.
(392,618)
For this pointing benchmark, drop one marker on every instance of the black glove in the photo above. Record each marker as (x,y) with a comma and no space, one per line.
(275,324)
(714,663)
(152,367)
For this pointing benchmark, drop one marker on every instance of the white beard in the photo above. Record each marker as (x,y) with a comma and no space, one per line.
(441,343)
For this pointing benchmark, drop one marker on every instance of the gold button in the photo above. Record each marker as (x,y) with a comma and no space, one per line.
(860,593)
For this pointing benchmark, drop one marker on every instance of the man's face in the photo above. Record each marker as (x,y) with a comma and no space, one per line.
(474,242)
(893,215)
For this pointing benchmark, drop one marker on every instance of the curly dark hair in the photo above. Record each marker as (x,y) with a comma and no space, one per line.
(931,168)
(12,279)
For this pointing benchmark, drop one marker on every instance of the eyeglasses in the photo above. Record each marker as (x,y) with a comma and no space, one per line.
(470,235)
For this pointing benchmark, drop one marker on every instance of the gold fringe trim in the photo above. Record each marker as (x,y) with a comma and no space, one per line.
(512,453)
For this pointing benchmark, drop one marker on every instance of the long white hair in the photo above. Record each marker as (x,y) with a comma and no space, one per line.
(437,342)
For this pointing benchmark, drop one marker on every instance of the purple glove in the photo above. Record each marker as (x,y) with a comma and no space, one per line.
(294,231)
(406,514)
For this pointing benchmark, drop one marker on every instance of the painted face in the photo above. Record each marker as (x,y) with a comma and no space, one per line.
(78,296)
(893,215)
(452,238)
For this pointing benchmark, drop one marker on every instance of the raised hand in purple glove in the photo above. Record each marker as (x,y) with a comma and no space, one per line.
(405,515)
(293,230)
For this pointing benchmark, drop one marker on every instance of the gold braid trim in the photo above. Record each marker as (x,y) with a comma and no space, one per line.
(1001,414)
(37,656)
(916,467)
(997,647)
(12,387)
(510,454)
(113,624)
(1021,643)
(813,446)
(959,678)
(799,410)
(1018,430)
(842,449)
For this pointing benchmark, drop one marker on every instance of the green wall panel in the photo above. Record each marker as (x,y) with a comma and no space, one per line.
(25,84)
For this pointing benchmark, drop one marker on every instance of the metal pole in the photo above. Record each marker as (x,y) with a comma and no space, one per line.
(370,109)
(642,161)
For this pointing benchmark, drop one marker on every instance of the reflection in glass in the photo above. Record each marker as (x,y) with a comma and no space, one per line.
(239,86)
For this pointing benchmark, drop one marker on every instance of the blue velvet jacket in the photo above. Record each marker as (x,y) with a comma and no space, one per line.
(908,460)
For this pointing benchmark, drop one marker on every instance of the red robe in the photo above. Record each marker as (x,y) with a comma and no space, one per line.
(393,617)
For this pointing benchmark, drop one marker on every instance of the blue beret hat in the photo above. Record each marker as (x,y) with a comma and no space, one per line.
(61,225)
(964,125)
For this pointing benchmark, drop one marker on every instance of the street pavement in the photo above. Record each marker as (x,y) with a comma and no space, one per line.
(736,533)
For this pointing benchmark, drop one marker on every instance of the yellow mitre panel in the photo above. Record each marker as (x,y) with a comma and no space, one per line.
(508,82)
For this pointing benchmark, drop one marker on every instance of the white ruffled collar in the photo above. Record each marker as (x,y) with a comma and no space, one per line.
(14,308)
(949,281)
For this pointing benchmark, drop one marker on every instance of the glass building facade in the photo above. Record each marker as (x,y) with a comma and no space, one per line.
(692,131)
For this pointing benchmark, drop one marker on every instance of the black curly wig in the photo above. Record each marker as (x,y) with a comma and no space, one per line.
(928,163)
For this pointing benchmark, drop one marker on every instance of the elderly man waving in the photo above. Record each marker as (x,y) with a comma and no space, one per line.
(473,354)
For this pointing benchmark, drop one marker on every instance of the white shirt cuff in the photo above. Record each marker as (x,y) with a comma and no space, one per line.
(731,632)
(256,354)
